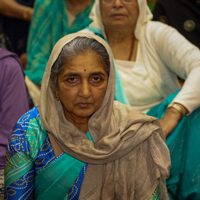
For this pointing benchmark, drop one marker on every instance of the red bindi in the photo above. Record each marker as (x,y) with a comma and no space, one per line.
(84,70)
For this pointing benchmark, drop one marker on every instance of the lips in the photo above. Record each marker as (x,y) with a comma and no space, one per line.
(118,15)
(84,105)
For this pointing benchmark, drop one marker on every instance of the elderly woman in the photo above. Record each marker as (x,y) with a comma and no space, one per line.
(149,56)
(80,143)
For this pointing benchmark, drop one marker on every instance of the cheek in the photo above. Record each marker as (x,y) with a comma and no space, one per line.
(104,13)
(134,12)
(67,93)
(98,95)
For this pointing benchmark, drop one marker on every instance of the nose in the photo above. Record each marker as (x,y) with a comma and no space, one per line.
(118,3)
(85,90)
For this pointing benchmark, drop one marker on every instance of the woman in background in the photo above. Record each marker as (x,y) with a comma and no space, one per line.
(149,56)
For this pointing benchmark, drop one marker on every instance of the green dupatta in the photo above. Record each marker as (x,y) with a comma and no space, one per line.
(49,24)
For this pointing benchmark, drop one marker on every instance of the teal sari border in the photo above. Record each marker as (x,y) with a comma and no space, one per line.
(56,179)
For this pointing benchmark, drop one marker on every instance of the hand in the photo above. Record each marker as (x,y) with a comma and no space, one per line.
(169,121)
(23,59)
(171,118)
(28,14)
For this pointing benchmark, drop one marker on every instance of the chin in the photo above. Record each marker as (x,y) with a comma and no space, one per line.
(84,114)
(118,25)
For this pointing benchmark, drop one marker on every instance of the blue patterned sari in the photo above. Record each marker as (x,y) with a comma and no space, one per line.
(33,172)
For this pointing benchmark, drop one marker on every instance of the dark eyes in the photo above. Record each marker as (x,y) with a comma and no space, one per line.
(93,80)
(72,80)
(96,79)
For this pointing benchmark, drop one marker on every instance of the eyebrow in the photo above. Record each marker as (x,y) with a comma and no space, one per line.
(76,74)
(97,73)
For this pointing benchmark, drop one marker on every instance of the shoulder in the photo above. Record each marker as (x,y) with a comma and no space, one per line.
(9,61)
(158,35)
(11,67)
(11,72)
(155,27)
(158,30)
(28,134)
(31,115)
(31,125)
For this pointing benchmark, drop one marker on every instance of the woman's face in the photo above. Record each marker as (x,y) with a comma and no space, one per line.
(119,15)
(82,85)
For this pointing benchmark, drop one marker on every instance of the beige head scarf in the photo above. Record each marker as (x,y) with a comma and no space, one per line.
(143,17)
(128,156)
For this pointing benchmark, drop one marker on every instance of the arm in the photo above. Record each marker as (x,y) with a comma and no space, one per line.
(39,42)
(11,8)
(184,101)
(171,118)
(19,169)
(14,102)
(183,59)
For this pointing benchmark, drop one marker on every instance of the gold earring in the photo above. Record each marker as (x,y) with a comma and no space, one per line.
(57,97)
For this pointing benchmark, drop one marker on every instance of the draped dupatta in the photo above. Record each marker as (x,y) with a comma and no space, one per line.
(129,157)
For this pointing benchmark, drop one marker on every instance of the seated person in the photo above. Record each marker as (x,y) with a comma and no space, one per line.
(80,143)
(149,57)
(13,101)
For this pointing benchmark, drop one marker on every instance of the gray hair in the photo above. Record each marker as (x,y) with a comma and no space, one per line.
(79,45)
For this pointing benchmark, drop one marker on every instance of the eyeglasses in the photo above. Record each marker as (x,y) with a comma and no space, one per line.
(123,1)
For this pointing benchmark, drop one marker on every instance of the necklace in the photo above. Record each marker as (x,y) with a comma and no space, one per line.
(131,51)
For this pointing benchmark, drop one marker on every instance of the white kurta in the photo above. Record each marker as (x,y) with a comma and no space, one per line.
(164,54)
(139,88)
